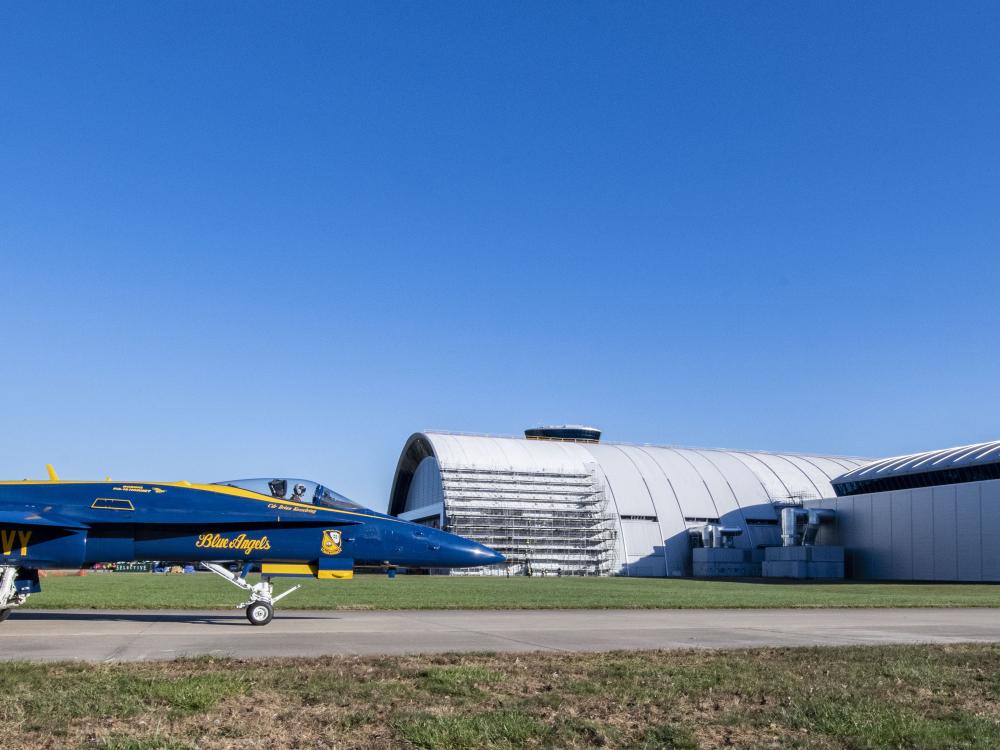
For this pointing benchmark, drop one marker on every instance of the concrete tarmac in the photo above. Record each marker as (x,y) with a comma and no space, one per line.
(49,635)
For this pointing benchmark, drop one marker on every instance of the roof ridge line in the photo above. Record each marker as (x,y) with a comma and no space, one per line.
(454,433)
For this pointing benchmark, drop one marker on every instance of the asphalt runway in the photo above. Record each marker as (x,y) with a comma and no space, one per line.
(49,635)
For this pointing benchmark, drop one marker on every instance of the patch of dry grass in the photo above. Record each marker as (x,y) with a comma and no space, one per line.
(864,697)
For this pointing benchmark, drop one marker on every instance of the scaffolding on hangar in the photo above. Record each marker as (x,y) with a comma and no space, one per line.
(544,522)
(628,508)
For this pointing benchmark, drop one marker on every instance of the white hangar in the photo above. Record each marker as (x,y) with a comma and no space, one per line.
(560,501)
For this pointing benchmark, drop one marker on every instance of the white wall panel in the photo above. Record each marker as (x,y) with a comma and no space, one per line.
(631,491)
(750,493)
(609,492)
(968,519)
(750,496)
(922,522)
(989,508)
(816,477)
(690,488)
(798,483)
(771,481)
(902,536)
(722,492)
(630,496)
(672,528)
(881,536)
(945,534)
(644,538)
(861,519)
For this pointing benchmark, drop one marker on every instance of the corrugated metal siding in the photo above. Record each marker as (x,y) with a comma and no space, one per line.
(943,533)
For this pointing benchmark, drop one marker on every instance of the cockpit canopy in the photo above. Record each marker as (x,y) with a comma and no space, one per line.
(296,490)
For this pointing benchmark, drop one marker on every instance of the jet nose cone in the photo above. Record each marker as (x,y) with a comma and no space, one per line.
(471,554)
(488,556)
(459,552)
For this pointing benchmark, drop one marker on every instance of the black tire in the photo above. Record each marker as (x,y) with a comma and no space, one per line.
(4,614)
(260,613)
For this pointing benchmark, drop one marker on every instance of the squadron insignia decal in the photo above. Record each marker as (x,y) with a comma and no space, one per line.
(331,542)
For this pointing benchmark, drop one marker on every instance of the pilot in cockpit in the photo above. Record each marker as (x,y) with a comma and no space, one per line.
(278,488)
(298,493)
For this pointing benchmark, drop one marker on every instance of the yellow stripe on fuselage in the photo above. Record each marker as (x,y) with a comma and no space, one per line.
(289,569)
(219,489)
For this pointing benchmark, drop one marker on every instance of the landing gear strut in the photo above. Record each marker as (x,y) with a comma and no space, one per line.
(260,606)
(10,597)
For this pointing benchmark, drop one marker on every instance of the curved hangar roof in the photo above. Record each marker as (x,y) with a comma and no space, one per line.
(656,493)
(966,463)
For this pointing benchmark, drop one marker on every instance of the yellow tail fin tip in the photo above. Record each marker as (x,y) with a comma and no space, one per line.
(52,473)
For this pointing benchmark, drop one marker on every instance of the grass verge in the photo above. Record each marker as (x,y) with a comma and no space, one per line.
(206,591)
(837,697)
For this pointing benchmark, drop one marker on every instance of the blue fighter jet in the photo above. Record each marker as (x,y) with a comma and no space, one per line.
(283,527)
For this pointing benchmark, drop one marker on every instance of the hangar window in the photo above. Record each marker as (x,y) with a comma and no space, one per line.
(977,473)
(639,518)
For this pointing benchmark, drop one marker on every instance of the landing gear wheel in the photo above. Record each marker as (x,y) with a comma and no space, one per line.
(4,614)
(260,608)
(260,613)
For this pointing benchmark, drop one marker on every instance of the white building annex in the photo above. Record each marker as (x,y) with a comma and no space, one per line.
(561,501)
(932,516)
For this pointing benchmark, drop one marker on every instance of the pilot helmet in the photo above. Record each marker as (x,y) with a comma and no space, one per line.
(300,490)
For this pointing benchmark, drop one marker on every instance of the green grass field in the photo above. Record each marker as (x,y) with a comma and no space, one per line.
(850,698)
(206,591)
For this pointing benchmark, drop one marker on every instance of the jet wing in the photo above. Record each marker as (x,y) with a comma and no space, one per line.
(33,518)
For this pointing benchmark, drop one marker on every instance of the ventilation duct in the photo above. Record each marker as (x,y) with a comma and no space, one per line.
(799,526)
(714,535)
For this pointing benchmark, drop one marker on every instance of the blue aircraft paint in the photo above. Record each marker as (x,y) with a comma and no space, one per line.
(73,524)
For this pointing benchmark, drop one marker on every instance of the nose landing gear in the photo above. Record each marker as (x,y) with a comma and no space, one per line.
(12,595)
(260,607)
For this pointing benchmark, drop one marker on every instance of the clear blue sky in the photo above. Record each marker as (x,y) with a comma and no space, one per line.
(241,239)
